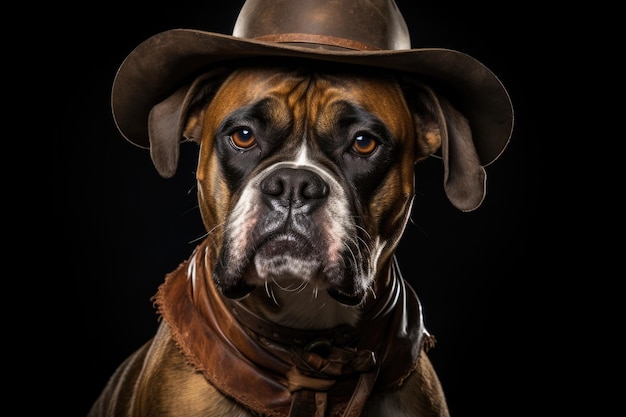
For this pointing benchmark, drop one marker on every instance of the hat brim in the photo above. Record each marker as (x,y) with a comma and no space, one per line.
(160,64)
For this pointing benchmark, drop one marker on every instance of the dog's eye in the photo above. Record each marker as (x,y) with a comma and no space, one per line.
(364,144)
(243,138)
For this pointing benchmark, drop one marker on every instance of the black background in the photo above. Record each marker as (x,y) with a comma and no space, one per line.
(126,227)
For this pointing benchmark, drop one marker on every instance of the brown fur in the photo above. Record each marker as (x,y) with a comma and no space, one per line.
(157,380)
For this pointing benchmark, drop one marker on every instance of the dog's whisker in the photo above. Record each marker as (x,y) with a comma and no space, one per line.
(292,287)
(273,297)
(366,243)
(413,223)
(270,293)
(204,235)
(364,231)
(198,239)
(354,258)
(194,207)
(221,225)
(303,286)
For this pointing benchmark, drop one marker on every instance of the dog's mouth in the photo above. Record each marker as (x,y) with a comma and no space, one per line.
(289,260)
(294,227)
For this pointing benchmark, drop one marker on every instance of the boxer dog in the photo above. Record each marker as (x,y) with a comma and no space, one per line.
(293,304)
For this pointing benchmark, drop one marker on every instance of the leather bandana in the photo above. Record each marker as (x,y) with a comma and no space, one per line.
(291,372)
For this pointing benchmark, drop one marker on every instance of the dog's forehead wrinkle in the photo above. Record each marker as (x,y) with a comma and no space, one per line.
(290,85)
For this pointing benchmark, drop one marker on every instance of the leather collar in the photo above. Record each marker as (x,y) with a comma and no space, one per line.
(293,372)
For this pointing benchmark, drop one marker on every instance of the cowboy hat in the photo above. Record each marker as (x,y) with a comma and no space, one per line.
(369,33)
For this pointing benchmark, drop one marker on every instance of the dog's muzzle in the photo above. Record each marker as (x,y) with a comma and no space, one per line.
(292,226)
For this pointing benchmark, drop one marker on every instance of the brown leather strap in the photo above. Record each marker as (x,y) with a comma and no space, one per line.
(311,398)
(361,393)
(307,403)
(316,369)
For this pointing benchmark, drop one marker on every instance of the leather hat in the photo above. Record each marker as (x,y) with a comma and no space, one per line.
(358,32)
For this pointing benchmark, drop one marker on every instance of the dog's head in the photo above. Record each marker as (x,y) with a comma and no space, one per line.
(306,174)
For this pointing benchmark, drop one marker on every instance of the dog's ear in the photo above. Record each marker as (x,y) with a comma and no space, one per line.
(167,121)
(464,177)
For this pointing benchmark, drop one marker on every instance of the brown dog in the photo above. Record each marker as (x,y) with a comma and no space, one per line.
(293,304)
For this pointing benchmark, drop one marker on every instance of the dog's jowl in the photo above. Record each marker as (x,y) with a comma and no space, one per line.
(293,304)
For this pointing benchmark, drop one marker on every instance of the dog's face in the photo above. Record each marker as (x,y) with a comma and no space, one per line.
(306,178)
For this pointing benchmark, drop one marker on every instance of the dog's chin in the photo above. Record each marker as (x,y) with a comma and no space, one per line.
(290,274)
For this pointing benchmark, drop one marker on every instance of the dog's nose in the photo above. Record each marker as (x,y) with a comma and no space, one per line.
(294,188)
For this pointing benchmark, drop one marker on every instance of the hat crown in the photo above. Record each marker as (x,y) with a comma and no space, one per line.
(325,24)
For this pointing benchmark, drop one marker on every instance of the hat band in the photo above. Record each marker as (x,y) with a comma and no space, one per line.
(317,39)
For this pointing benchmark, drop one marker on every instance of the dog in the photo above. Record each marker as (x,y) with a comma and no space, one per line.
(293,304)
